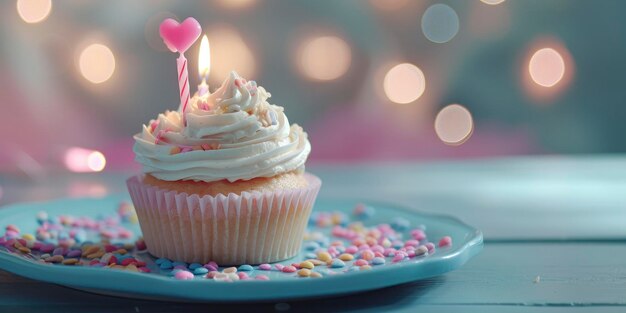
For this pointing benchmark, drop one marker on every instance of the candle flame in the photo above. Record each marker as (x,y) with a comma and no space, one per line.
(204,58)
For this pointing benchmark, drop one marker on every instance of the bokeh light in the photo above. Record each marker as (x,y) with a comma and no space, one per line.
(440,23)
(454,124)
(492,2)
(97,63)
(324,58)
(229,52)
(389,5)
(546,67)
(34,11)
(404,83)
(84,160)
(236,4)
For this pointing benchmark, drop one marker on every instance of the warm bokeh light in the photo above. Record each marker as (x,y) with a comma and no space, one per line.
(546,67)
(324,58)
(34,11)
(440,23)
(84,160)
(236,4)
(229,52)
(404,83)
(97,63)
(389,5)
(492,2)
(454,124)
(204,57)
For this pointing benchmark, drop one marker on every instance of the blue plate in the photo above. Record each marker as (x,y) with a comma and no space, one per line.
(467,242)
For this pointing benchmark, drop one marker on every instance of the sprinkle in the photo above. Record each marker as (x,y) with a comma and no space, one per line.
(315,262)
(245,268)
(265,267)
(194,266)
(24,249)
(346,257)
(289,269)
(312,246)
(273,118)
(397,258)
(243,275)
(13,228)
(183,275)
(360,262)
(70,261)
(337,263)
(233,276)
(221,277)
(58,251)
(445,241)
(55,259)
(537,279)
(418,234)
(230,270)
(141,245)
(307,265)
(315,275)
(164,265)
(430,246)
(400,224)
(324,256)
(367,255)
(304,272)
(211,274)
(378,261)
(411,243)
(352,249)
(47,248)
(421,250)
(74,253)
(279,267)
(261,277)
(362,211)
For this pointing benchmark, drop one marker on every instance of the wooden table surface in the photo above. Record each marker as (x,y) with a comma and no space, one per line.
(554,227)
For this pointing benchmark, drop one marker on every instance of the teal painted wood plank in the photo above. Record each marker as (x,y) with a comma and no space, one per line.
(531,198)
(500,279)
(517,198)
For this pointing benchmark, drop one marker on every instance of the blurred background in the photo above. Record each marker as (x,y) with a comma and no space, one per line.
(371,80)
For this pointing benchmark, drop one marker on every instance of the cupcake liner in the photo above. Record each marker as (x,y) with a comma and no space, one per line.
(251,228)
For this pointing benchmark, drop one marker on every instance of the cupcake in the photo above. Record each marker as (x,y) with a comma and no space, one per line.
(226,181)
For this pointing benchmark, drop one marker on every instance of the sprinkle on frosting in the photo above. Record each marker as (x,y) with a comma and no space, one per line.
(233,134)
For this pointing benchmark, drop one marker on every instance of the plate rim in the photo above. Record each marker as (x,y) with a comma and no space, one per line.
(238,291)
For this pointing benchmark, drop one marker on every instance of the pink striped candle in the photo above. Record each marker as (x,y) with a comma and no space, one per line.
(178,37)
(183,84)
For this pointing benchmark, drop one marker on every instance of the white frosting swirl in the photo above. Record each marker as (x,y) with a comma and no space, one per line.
(232,134)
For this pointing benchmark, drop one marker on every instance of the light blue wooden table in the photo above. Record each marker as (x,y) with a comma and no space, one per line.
(554,227)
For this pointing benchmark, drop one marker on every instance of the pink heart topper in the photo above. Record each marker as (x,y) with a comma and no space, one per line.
(179,37)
